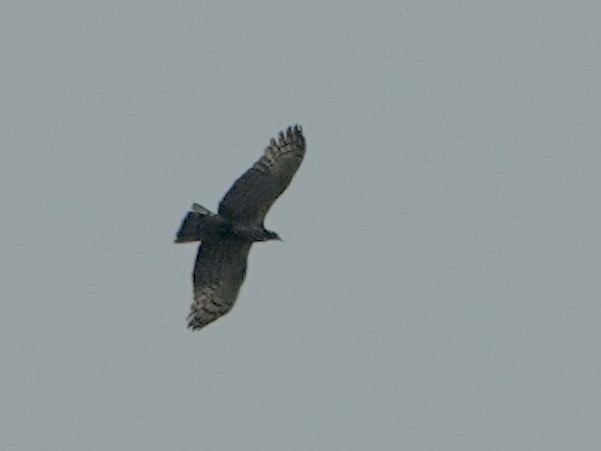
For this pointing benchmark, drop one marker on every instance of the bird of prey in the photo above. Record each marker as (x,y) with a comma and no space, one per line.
(226,237)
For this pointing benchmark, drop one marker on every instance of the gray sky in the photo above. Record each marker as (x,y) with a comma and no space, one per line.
(439,282)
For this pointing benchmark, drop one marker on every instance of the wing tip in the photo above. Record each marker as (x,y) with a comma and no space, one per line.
(196,322)
(200,315)
(292,135)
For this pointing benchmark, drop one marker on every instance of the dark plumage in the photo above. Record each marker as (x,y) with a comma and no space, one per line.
(227,236)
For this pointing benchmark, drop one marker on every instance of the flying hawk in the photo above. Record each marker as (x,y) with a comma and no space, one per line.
(227,236)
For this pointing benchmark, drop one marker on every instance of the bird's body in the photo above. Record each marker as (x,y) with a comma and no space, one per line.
(228,236)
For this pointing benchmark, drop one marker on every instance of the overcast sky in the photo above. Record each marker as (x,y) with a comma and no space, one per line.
(439,282)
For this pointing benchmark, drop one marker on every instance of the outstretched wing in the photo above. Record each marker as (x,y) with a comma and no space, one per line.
(251,196)
(218,274)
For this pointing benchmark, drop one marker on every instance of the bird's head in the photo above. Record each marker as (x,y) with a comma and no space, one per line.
(269,235)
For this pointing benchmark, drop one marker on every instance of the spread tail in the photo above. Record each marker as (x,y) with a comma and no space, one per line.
(190,230)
